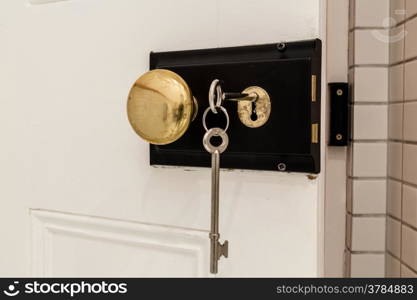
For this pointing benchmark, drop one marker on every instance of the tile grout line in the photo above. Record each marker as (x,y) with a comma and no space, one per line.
(367,178)
(389,65)
(366,252)
(402,22)
(351,68)
(369,141)
(405,142)
(404,60)
(383,141)
(368,66)
(402,101)
(402,147)
(401,262)
(360,28)
(387,154)
(373,215)
(350,159)
(368,103)
(402,181)
(406,224)
(366,215)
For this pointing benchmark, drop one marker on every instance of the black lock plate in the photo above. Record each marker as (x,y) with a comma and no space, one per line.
(290,73)
(339,114)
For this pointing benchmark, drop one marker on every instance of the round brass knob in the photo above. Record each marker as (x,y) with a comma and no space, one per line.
(160,106)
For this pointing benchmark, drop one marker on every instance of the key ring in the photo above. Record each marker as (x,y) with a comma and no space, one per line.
(216,96)
(210,148)
(223,110)
(215,93)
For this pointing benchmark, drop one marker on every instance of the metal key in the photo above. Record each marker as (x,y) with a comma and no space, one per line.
(217,249)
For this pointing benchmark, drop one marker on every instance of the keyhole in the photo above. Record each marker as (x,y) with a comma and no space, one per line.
(253,115)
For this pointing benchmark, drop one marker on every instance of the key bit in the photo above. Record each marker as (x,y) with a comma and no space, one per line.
(223,249)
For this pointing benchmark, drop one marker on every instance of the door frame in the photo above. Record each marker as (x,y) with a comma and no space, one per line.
(335,192)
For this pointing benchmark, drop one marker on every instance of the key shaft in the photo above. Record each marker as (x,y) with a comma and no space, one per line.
(214,233)
(216,248)
(215,176)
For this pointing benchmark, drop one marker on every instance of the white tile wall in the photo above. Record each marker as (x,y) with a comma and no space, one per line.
(402,133)
(351,81)
(410,80)
(411,38)
(410,120)
(371,46)
(369,159)
(394,236)
(371,84)
(349,194)
(409,206)
(397,11)
(377,47)
(409,246)
(396,79)
(410,163)
(367,265)
(396,45)
(395,160)
(351,43)
(411,8)
(368,234)
(349,159)
(351,14)
(392,266)
(370,122)
(349,231)
(407,272)
(395,119)
(369,196)
(394,198)
(371,13)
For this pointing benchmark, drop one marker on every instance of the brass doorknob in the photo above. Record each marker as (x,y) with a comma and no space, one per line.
(160,106)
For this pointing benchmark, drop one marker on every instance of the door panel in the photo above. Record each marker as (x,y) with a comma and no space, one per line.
(67,245)
(78,197)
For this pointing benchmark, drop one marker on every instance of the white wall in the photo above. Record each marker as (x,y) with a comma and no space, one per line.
(66,144)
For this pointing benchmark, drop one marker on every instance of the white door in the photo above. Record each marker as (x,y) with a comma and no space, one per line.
(78,197)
